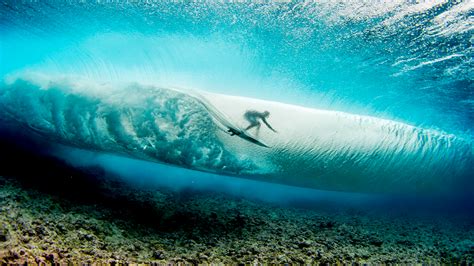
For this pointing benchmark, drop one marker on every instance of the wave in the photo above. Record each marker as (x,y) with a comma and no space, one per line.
(313,148)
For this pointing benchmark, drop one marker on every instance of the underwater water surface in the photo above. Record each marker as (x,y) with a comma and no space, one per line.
(373,100)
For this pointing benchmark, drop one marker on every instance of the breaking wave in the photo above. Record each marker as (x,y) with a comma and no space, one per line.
(313,148)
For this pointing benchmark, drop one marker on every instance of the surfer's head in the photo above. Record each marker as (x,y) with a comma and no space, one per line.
(266,113)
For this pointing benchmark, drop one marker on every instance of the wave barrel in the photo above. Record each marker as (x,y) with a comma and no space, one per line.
(312,148)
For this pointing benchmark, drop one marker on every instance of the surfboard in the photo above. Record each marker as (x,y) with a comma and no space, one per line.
(244,135)
(223,121)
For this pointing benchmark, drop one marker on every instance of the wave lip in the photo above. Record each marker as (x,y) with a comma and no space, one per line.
(313,148)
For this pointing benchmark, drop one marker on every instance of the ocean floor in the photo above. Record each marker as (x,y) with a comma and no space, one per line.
(50,212)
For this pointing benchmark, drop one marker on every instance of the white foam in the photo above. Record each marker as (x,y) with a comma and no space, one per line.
(313,148)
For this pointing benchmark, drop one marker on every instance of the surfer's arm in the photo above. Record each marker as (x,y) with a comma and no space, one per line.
(268,125)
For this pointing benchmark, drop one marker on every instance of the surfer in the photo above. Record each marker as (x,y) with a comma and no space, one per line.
(254,116)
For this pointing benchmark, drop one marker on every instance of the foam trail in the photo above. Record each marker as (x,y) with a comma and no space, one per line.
(313,148)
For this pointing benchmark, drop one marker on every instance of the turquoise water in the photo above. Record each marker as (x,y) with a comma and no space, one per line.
(406,62)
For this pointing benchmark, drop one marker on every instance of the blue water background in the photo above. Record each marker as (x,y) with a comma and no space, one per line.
(406,62)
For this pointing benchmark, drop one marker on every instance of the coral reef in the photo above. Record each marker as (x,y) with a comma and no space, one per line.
(113,222)
(51,212)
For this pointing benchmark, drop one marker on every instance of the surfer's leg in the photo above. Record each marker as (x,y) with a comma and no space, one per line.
(254,124)
(258,129)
